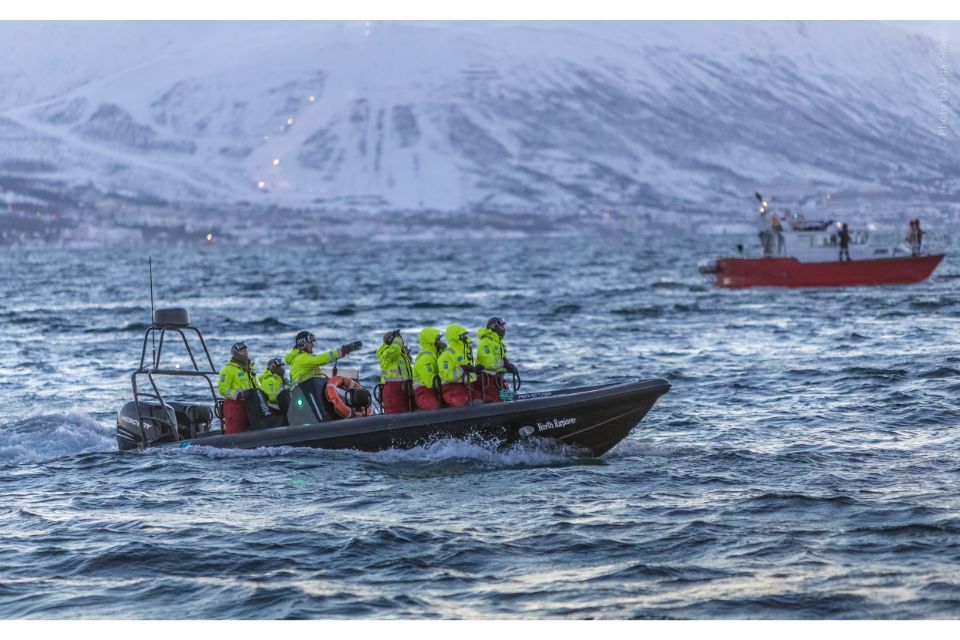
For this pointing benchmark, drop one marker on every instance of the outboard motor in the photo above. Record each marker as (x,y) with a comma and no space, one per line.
(158,426)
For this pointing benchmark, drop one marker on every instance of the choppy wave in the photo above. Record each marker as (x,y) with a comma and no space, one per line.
(47,437)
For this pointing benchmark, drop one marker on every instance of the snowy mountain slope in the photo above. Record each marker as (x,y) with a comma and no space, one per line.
(542,117)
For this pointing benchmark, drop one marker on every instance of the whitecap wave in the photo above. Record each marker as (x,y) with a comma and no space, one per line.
(484,453)
(217,452)
(489,453)
(47,437)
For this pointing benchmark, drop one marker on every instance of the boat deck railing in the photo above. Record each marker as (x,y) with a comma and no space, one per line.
(152,369)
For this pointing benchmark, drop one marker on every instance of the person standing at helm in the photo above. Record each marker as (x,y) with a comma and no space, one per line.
(492,356)
(304,364)
(426,382)
(396,371)
(458,373)
(272,381)
(844,242)
(236,377)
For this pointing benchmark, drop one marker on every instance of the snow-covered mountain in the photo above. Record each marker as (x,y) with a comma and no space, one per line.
(544,118)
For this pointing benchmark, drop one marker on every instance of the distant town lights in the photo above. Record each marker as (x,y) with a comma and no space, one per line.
(262,184)
(276,162)
(209,237)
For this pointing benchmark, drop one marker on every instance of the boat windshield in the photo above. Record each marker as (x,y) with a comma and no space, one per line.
(833,239)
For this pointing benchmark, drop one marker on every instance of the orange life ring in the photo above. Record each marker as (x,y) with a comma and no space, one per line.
(332,392)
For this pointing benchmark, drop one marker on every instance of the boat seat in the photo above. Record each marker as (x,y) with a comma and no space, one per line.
(260,415)
(192,418)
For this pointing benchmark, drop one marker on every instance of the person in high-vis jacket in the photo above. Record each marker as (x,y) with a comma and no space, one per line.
(492,356)
(273,380)
(236,377)
(426,381)
(396,372)
(305,364)
(458,373)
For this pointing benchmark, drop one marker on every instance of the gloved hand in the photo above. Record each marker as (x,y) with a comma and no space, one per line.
(512,368)
(351,347)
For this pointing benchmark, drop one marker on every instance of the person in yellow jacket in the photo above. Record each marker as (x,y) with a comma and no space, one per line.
(426,395)
(236,377)
(492,356)
(396,372)
(272,381)
(458,373)
(304,364)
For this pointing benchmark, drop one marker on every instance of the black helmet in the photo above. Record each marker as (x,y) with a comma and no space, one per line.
(238,347)
(390,336)
(495,321)
(274,362)
(303,338)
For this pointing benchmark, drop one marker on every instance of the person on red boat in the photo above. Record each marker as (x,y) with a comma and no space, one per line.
(915,237)
(844,242)
(396,372)
(304,364)
(458,373)
(492,356)
(426,382)
(236,377)
(777,228)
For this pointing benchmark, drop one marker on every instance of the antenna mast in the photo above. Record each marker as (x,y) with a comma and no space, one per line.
(152,333)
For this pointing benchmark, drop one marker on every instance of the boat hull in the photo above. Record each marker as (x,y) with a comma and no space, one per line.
(592,420)
(738,273)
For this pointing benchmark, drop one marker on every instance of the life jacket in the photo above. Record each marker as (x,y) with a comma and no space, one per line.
(305,365)
(395,362)
(235,379)
(491,351)
(456,354)
(425,366)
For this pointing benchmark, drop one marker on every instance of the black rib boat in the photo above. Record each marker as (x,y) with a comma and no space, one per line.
(588,419)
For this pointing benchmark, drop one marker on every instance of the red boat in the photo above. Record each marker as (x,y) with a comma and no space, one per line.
(738,273)
(808,254)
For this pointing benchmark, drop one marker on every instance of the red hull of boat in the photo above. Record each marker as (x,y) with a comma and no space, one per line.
(738,273)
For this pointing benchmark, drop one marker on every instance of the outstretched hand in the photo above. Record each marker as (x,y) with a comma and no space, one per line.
(351,347)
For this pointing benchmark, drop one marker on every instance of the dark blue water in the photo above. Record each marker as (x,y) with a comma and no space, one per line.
(804,465)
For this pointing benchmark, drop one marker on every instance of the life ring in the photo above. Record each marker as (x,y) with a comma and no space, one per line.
(335,392)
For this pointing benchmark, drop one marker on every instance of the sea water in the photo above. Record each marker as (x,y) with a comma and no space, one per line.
(805,463)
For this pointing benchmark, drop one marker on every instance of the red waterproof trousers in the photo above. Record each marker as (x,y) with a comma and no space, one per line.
(234,416)
(395,397)
(456,395)
(426,399)
(491,388)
